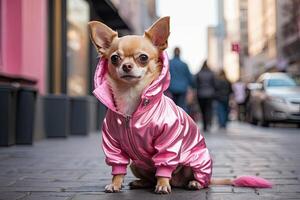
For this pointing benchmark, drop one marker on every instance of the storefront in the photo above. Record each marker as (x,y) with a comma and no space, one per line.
(23,46)
(72,59)
(47,41)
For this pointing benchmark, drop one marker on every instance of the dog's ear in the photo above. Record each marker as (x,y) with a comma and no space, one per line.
(101,36)
(159,32)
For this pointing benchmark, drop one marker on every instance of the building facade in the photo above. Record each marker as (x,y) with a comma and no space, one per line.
(231,63)
(267,33)
(23,39)
(288,35)
(48,41)
(212,49)
(261,36)
(223,37)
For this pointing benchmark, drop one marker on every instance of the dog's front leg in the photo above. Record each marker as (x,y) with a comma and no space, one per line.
(163,185)
(116,184)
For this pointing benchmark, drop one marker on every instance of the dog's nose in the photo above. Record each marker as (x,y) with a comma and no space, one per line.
(127,67)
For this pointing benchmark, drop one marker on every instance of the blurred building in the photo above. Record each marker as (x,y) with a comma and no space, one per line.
(243,54)
(288,35)
(220,35)
(258,36)
(231,41)
(225,38)
(261,36)
(212,49)
(23,39)
(48,40)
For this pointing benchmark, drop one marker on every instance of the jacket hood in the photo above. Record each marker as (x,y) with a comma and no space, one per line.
(152,93)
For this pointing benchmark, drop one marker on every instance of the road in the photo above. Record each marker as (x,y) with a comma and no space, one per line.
(74,168)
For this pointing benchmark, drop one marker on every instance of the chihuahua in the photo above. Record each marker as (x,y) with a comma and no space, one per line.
(142,124)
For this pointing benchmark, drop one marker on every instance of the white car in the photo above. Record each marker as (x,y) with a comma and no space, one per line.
(275,97)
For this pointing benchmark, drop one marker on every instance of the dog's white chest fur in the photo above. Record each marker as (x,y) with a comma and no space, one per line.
(127,99)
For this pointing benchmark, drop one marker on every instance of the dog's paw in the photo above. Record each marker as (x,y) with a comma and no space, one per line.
(163,186)
(112,188)
(194,185)
(160,189)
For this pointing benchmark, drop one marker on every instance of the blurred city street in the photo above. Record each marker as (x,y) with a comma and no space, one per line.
(234,67)
(74,168)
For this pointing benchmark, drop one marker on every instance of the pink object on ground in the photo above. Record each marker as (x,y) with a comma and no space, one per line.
(251,181)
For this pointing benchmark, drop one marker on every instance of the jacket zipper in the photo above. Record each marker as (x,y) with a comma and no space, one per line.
(131,139)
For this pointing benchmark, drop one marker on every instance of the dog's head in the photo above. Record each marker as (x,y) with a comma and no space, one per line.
(131,58)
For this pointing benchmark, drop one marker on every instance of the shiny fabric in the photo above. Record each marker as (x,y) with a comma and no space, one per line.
(158,136)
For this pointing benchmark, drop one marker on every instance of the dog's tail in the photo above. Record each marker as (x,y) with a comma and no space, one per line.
(244,181)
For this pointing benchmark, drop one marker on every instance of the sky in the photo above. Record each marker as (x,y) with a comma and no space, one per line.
(189,20)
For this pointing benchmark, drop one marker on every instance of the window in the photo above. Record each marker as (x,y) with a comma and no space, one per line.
(77,47)
(281,82)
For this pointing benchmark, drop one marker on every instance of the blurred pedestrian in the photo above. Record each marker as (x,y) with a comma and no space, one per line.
(223,91)
(192,105)
(239,91)
(181,79)
(205,84)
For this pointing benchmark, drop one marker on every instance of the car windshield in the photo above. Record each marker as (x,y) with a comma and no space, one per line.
(281,82)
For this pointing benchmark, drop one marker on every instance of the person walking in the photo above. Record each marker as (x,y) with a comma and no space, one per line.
(181,80)
(205,84)
(223,91)
(239,91)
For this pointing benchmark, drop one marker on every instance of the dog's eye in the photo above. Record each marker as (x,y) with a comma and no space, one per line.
(115,59)
(143,58)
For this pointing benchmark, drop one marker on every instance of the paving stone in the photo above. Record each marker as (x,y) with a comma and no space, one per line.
(6,181)
(278,181)
(279,196)
(232,196)
(86,188)
(243,190)
(48,196)
(11,195)
(177,194)
(30,189)
(282,189)
(221,189)
(39,183)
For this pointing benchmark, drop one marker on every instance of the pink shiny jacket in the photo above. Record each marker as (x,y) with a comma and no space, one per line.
(158,136)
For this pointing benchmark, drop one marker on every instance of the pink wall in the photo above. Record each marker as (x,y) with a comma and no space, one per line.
(34,41)
(11,36)
(24,39)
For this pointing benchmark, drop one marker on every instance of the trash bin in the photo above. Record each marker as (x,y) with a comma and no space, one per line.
(26,101)
(56,115)
(8,97)
(79,115)
(92,113)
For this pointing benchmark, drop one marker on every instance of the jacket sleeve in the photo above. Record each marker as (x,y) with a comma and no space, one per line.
(167,145)
(202,167)
(115,157)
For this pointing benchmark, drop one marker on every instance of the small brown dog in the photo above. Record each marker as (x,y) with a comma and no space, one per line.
(126,86)
(142,124)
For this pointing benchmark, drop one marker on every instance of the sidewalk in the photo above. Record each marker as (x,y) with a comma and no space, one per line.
(74,168)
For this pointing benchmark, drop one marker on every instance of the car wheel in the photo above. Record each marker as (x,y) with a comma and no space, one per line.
(263,121)
(252,119)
